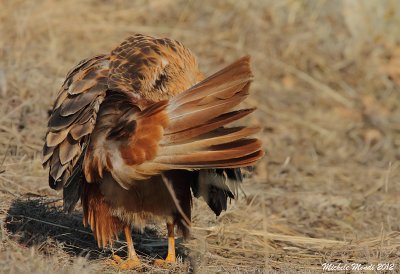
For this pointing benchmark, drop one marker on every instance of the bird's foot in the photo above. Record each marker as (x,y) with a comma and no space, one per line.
(131,263)
(165,263)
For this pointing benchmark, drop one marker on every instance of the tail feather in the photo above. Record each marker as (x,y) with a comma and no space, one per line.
(216,137)
(196,112)
(248,160)
(245,161)
(196,138)
(226,151)
(210,125)
(237,74)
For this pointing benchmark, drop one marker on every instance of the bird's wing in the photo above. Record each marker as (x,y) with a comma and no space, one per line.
(216,186)
(73,118)
(185,132)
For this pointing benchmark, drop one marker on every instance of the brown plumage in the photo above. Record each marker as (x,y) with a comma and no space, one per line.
(133,133)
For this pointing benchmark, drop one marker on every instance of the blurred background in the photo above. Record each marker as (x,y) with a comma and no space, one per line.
(327,76)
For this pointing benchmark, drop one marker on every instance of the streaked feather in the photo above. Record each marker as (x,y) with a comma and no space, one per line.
(55,138)
(69,149)
(73,117)
(139,115)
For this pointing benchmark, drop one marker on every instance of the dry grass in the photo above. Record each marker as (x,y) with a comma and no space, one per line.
(327,76)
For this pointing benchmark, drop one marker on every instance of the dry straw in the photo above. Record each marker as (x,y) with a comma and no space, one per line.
(327,90)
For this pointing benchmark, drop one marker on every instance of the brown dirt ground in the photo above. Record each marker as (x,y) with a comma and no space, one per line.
(327,76)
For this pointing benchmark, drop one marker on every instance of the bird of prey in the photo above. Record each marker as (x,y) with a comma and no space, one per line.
(135,133)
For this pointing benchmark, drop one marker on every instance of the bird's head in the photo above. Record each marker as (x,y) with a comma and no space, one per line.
(155,69)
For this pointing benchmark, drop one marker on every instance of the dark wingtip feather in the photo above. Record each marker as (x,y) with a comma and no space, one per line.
(73,187)
(56,184)
(215,189)
(52,182)
(71,194)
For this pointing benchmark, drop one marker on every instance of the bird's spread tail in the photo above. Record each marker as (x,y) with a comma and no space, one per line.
(187,132)
(195,136)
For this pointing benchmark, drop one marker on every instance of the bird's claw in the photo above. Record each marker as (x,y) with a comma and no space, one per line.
(164,263)
(131,263)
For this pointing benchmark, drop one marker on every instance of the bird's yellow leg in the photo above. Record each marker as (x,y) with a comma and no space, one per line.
(132,262)
(171,257)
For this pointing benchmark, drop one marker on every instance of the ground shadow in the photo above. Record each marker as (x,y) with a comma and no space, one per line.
(40,222)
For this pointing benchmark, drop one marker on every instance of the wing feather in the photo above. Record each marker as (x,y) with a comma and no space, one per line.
(69,149)
(73,104)
(80,130)
(55,138)
(73,117)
